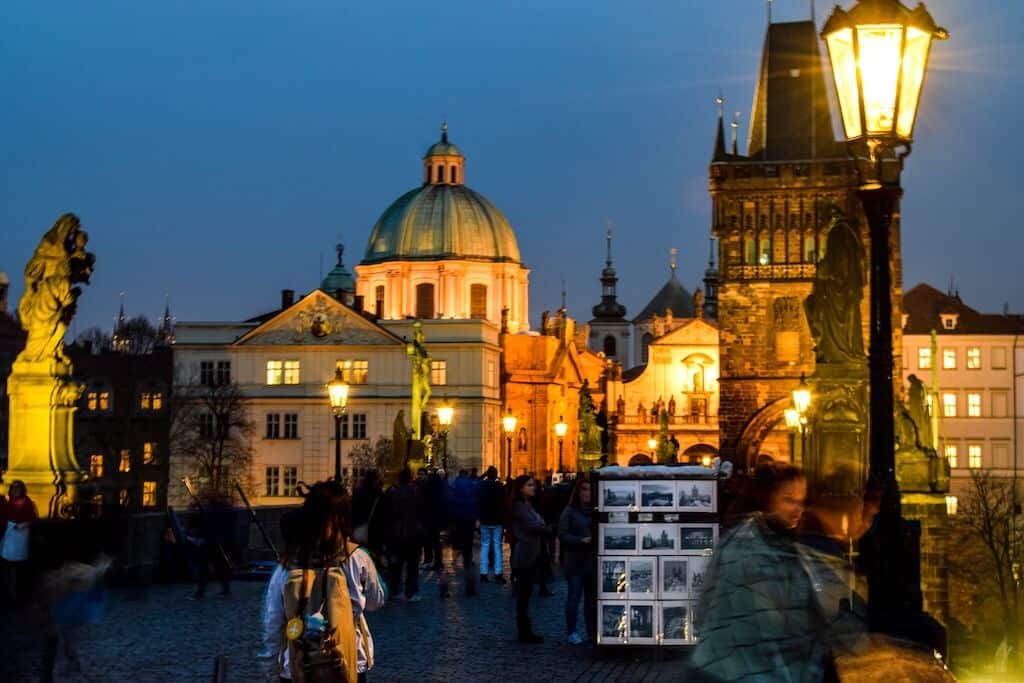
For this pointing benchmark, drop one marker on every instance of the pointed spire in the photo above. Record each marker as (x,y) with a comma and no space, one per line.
(672,260)
(711,252)
(340,249)
(119,340)
(444,130)
(608,237)
(735,125)
(563,296)
(719,154)
(166,336)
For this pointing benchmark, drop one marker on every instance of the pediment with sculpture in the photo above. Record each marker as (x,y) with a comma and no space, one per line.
(318,320)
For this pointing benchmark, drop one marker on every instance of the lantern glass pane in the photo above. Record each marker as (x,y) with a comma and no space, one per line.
(879,48)
(844,71)
(915,59)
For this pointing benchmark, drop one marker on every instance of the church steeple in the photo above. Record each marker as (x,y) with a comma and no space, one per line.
(609,308)
(720,153)
(119,339)
(711,285)
(166,333)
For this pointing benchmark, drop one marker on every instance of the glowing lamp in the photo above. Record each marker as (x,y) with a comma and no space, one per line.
(561,429)
(445,414)
(801,397)
(706,461)
(792,418)
(951,503)
(508,423)
(337,390)
(879,51)
(652,443)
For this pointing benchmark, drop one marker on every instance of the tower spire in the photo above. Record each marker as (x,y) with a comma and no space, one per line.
(119,340)
(720,154)
(672,260)
(444,130)
(167,324)
(735,125)
(608,237)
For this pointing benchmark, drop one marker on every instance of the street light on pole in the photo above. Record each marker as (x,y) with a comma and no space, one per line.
(878,51)
(801,404)
(444,416)
(652,443)
(337,391)
(561,428)
(508,423)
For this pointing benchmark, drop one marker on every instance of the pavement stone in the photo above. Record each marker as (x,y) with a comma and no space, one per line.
(155,634)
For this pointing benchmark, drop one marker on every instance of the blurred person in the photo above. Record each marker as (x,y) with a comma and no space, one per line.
(463,511)
(331,584)
(546,504)
(492,512)
(21,514)
(579,561)
(432,492)
(273,659)
(367,512)
(403,520)
(529,530)
(210,545)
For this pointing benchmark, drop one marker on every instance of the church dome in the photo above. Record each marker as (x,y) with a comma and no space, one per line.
(442,219)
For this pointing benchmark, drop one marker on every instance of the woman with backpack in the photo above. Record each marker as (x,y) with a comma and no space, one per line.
(528,530)
(330,584)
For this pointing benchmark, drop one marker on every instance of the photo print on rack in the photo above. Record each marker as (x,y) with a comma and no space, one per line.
(657,495)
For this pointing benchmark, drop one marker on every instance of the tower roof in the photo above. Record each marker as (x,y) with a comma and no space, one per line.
(671,296)
(609,309)
(339,278)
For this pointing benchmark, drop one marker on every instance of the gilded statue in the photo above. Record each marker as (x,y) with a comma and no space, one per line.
(833,307)
(59,264)
(417,352)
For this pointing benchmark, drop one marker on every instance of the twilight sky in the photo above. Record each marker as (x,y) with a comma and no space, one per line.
(216,150)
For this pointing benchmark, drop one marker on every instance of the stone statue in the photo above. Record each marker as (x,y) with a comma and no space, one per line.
(399,442)
(833,307)
(918,408)
(641,412)
(672,405)
(590,432)
(46,308)
(620,407)
(417,352)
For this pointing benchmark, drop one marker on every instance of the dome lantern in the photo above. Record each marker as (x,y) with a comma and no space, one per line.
(443,164)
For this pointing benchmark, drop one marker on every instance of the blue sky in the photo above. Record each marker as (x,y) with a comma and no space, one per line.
(217,150)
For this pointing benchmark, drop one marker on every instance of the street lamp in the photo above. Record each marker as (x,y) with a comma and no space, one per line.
(796,417)
(878,51)
(652,443)
(802,396)
(444,416)
(508,423)
(337,391)
(560,431)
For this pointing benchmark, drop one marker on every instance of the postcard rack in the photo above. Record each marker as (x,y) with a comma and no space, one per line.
(655,528)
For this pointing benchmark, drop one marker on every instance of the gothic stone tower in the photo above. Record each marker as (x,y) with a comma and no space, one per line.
(770,210)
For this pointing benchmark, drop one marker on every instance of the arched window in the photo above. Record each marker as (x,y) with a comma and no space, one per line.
(645,344)
(749,251)
(454,177)
(425,301)
(764,251)
(810,252)
(440,173)
(378,299)
(478,301)
(609,346)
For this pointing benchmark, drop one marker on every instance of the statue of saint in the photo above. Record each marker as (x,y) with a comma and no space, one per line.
(590,432)
(46,308)
(672,405)
(620,407)
(918,409)
(833,307)
(417,352)
(399,441)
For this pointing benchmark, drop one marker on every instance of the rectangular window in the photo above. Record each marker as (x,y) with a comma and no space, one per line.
(343,421)
(438,372)
(149,494)
(272,481)
(359,425)
(206,425)
(973,405)
(291,425)
(1001,455)
(96,465)
(104,400)
(924,359)
(492,379)
(291,372)
(275,372)
(973,358)
(223,374)
(951,455)
(206,376)
(949,405)
(999,403)
(148,452)
(354,371)
(974,456)
(949,359)
(999,358)
(290,480)
(151,400)
(125,462)
(92,401)
(478,301)
(273,426)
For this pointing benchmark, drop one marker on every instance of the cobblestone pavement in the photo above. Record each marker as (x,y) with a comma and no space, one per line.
(155,634)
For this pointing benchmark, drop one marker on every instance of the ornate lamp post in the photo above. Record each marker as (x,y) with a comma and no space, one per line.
(652,443)
(801,404)
(444,416)
(561,428)
(337,390)
(508,423)
(879,50)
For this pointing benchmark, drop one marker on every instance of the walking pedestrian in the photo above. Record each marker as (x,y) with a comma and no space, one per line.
(544,502)
(432,492)
(529,530)
(210,545)
(367,512)
(403,534)
(14,548)
(273,658)
(492,504)
(75,596)
(464,509)
(579,559)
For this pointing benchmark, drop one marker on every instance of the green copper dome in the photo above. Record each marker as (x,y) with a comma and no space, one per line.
(443,148)
(442,222)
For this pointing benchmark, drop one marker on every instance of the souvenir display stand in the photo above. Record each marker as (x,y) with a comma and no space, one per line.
(655,528)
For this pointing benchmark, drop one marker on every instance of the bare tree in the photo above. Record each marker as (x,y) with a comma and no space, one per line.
(986,563)
(211,431)
(95,336)
(366,457)
(140,334)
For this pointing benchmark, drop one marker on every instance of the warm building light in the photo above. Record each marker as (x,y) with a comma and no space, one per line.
(802,396)
(561,428)
(337,389)
(508,423)
(445,414)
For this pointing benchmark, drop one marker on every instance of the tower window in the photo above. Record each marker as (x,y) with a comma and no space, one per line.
(378,297)
(749,251)
(454,176)
(609,346)
(425,301)
(440,174)
(764,255)
(478,301)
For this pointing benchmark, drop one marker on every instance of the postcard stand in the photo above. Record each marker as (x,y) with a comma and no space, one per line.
(655,528)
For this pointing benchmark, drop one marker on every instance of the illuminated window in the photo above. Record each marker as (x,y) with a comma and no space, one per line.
(273,426)
(290,478)
(973,405)
(359,425)
(151,400)
(275,372)
(438,372)
(354,371)
(149,494)
(949,405)
(291,425)
(125,462)
(148,452)
(272,481)
(924,359)
(951,454)
(96,465)
(973,358)
(91,400)
(949,359)
(97,400)
(478,301)
(764,255)
(122,498)
(291,372)
(749,251)
(974,456)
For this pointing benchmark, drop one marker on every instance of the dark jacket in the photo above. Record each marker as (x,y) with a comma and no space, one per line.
(528,530)
(578,558)
(463,502)
(403,517)
(492,502)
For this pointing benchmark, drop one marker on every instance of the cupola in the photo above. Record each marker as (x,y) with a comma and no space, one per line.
(443,164)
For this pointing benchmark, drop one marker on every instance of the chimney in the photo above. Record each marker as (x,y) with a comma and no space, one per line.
(287,298)
(358,304)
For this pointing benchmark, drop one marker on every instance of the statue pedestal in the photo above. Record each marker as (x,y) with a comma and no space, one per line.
(838,429)
(41,450)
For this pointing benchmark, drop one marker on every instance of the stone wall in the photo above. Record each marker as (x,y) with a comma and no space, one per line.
(930,510)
